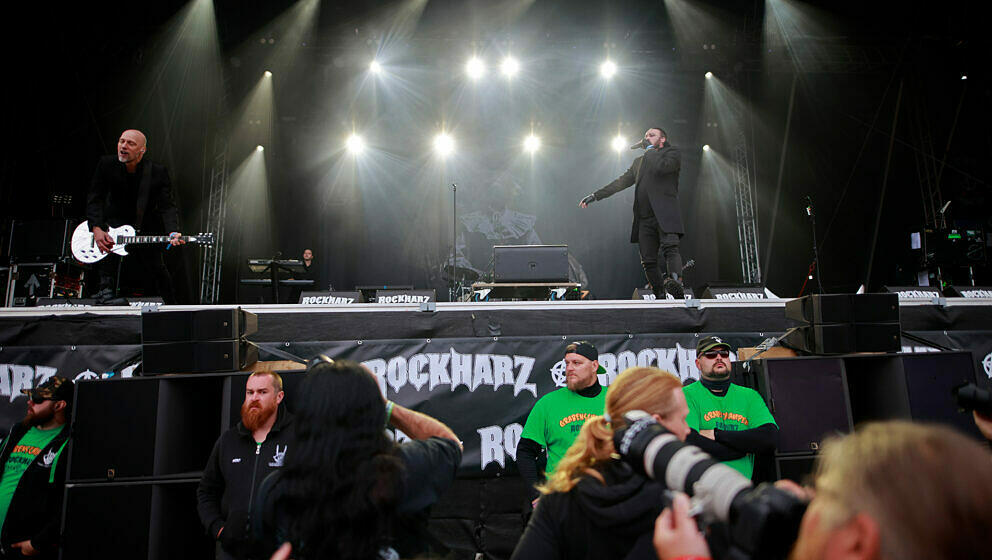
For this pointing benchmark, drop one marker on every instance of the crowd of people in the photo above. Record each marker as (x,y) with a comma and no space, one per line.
(329,481)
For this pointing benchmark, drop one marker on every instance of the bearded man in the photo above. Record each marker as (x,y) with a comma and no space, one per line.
(33,470)
(241,459)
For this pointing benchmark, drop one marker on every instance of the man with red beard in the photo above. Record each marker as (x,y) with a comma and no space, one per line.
(34,473)
(241,459)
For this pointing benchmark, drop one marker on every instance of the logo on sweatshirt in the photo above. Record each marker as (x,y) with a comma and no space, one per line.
(49,458)
(279,456)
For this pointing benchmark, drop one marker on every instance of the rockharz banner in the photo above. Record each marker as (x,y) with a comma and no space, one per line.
(28,367)
(484,388)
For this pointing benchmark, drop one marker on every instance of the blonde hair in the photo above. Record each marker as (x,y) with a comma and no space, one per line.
(276,378)
(638,388)
(928,487)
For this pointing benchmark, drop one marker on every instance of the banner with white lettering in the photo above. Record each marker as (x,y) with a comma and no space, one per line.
(28,367)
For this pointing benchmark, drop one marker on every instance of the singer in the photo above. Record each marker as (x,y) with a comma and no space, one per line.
(657,216)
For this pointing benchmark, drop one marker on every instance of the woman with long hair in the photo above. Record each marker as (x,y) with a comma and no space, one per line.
(594,505)
(346,485)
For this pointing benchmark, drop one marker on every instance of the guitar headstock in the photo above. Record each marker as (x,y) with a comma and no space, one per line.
(201,239)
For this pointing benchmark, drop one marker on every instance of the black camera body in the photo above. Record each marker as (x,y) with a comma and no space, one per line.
(762,522)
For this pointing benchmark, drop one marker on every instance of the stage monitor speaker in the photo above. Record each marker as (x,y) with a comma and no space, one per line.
(808,397)
(530,263)
(969,291)
(643,294)
(844,308)
(205,324)
(330,298)
(211,356)
(733,292)
(845,338)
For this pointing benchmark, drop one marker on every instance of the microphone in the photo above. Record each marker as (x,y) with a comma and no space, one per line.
(642,144)
(944,208)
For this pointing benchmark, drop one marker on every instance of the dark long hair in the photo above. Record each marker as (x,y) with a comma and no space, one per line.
(340,483)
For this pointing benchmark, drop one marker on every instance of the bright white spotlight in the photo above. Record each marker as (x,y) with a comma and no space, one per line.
(532,143)
(509,67)
(268,74)
(706,147)
(964,76)
(709,75)
(375,67)
(355,144)
(443,144)
(259,148)
(475,68)
(618,143)
(607,69)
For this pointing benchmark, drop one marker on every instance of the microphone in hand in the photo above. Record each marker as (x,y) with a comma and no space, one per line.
(642,144)
(587,200)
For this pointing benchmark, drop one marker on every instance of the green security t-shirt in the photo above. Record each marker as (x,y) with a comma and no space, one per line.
(740,409)
(23,453)
(556,419)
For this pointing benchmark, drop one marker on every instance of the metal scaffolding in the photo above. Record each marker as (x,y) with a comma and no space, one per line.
(213,255)
(747,225)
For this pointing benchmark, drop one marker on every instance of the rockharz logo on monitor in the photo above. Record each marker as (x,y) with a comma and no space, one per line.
(327,300)
(740,295)
(976,293)
(402,298)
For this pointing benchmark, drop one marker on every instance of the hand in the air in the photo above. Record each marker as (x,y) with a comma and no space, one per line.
(587,201)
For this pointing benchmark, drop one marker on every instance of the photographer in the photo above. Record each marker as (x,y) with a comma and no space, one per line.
(892,490)
(595,506)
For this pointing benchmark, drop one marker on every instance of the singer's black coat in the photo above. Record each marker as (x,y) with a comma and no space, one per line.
(153,200)
(657,171)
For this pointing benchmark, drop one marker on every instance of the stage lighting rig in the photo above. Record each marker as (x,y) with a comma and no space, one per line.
(475,68)
(509,67)
(619,143)
(355,144)
(706,147)
(607,69)
(375,67)
(259,148)
(709,75)
(268,74)
(532,143)
(444,144)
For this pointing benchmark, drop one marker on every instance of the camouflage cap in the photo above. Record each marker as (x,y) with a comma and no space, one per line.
(56,388)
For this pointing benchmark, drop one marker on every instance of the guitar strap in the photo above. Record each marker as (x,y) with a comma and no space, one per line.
(144,191)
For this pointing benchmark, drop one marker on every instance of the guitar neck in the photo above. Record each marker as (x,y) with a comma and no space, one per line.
(139,239)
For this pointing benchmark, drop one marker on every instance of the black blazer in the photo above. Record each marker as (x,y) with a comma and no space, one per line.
(658,172)
(154,194)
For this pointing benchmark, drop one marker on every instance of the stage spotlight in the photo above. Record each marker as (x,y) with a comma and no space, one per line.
(532,143)
(706,147)
(618,143)
(259,148)
(607,69)
(443,144)
(709,75)
(475,68)
(355,144)
(964,76)
(268,74)
(375,67)
(509,67)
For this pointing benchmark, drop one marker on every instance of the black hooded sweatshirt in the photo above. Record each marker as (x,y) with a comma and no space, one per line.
(596,521)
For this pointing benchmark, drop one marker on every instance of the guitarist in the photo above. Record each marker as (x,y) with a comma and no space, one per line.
(128,190)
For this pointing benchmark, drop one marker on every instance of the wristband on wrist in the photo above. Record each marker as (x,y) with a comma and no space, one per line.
(389,412)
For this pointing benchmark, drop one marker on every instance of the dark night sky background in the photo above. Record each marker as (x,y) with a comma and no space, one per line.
(78,76)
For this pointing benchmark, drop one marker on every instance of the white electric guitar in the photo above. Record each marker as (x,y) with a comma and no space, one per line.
(85,249)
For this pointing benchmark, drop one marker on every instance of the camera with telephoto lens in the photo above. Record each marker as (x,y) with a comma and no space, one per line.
(761,522)
(971,397)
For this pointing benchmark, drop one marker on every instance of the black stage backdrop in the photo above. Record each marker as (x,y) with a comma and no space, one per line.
(482,387)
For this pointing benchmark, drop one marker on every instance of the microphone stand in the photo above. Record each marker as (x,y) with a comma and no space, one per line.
(816,252)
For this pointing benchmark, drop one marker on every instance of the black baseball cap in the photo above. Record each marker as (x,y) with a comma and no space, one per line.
(56,388)
(709,343)
(585,348)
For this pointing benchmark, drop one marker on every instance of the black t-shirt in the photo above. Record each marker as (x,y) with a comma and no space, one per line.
(122,201)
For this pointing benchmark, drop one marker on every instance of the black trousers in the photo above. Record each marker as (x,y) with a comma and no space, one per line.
(150,260)
(651,240)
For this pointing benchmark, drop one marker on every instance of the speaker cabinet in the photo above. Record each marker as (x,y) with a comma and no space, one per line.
(204,324)
(211,356)
(153,520)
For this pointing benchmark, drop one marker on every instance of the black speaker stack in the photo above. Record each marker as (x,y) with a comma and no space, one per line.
(203,341)
(815,397)
(844,323)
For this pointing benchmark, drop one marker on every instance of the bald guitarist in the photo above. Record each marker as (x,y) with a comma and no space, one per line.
(126,189)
